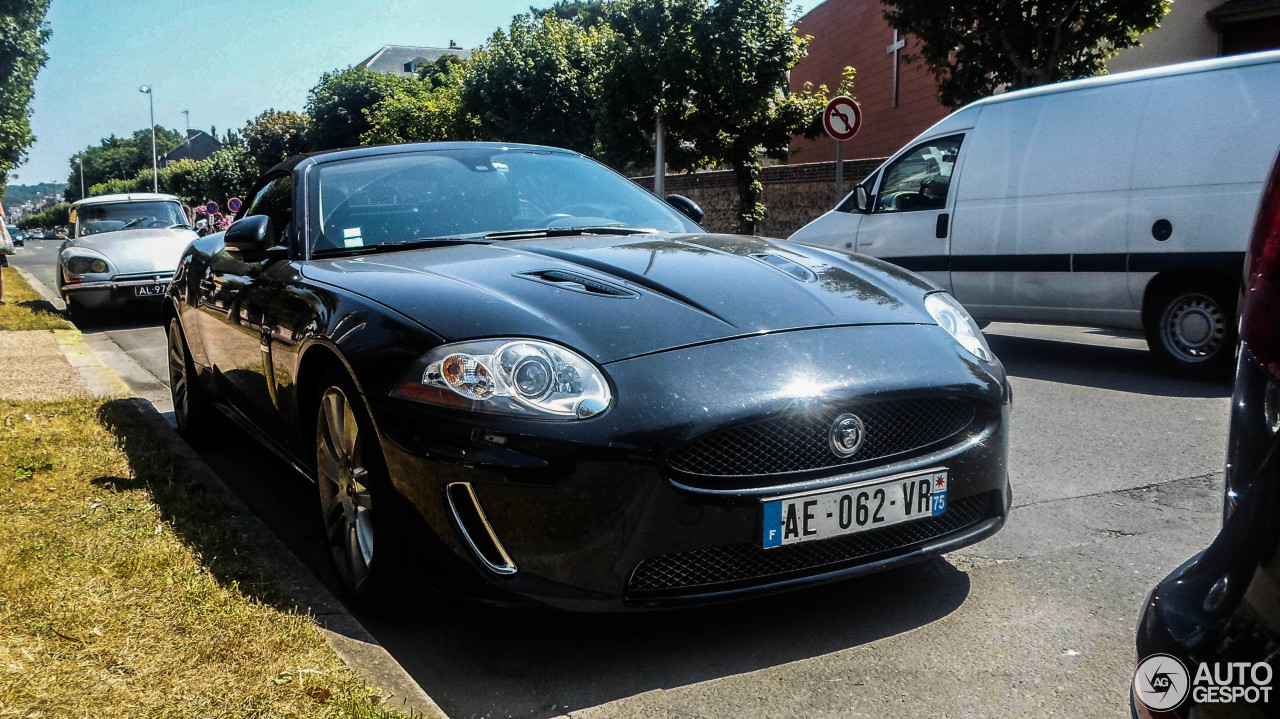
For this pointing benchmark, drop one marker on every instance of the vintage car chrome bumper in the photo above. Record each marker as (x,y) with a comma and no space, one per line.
(118,290)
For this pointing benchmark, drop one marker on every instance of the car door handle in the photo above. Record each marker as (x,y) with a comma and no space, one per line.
(207,285)
(940,231)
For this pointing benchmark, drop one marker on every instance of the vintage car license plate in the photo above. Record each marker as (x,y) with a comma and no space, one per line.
(148,290)
(835,512)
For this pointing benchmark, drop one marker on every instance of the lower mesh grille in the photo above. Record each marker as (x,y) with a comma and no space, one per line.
(704,569)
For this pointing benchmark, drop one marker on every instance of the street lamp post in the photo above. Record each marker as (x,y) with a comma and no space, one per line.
(80,160)
(155,165)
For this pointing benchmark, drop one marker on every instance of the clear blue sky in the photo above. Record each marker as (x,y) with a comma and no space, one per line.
(224,61)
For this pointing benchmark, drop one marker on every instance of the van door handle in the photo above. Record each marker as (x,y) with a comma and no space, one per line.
(941,230)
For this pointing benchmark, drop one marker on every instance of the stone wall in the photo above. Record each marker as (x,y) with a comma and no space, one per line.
(793,194)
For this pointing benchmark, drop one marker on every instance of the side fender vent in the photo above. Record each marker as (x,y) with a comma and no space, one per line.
(576,282)
(476,529)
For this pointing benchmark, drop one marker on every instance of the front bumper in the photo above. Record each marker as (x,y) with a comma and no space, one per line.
(593,518)
(116,292)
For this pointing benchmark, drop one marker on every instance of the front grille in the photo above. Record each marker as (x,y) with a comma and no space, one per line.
(800,440)
(712,568)
(162,277)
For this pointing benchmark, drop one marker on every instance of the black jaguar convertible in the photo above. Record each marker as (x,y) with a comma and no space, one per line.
(514,374)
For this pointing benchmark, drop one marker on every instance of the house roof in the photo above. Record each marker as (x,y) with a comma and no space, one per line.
(393,58)
(199,145)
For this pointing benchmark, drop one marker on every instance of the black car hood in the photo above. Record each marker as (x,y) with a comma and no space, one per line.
(618,297)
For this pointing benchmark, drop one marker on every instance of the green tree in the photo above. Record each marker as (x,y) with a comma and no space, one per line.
(274,136)
(337,105)
(118,158)
(23,33)
(536,82)
(229,172)
(977,47)
(51,216)
(444,70)
(650,70)
(584,13)
(746,50)
(429,110)
(182,178)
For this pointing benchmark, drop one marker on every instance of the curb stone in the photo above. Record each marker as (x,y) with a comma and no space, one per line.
(344,634)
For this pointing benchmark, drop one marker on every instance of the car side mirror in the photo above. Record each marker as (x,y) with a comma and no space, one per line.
(863,200)
(686,207)
(252,239)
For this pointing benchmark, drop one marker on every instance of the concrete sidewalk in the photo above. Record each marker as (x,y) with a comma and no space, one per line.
(56,364)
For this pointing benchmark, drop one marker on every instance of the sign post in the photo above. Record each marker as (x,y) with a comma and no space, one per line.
(842,119)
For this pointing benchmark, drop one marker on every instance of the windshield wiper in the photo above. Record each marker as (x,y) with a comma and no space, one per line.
(568,232)
(398,246)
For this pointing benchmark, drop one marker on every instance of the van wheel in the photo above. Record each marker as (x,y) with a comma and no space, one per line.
(1192,329)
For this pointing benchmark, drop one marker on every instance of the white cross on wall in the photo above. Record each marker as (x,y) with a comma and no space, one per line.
(897,44)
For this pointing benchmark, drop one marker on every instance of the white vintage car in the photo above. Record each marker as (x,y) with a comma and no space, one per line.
(122,251)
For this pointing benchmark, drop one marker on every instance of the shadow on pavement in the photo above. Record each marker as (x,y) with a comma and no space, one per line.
(481,661)
(107,320)
(1096,365)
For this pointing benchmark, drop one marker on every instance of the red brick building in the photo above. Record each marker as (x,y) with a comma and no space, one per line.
(853,32)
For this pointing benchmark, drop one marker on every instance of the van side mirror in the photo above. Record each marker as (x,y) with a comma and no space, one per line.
(253,240)
(861,197)
(687,207)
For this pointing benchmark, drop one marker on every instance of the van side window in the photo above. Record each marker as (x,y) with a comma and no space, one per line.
(920,178)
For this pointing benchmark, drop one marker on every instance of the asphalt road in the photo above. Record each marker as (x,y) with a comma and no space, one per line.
(1117,473)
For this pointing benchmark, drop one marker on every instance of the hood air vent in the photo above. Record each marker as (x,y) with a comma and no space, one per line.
(792,268)
(578,283)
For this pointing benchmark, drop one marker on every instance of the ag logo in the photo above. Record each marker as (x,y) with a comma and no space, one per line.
(847,434)
(1161,682)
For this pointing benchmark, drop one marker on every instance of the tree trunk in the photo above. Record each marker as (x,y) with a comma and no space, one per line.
(750,211)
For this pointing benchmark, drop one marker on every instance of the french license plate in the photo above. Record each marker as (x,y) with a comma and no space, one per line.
(148,290)
(832,513)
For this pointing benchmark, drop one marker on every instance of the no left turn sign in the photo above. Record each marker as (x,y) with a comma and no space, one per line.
(842,118)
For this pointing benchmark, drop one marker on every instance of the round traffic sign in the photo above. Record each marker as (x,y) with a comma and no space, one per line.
(842,118)
(234,204)
(212,207)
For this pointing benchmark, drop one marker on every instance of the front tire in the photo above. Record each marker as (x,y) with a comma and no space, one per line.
(81,316)
(356,500)
(190,406)
(1192,328)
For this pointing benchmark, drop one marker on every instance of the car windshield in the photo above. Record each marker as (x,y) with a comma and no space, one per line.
(473,192)
(113,216)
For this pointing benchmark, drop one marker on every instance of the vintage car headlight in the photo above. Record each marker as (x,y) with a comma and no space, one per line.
(955,320)
(508,376)
(85,262)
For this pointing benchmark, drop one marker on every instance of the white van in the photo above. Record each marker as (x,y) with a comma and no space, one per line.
(1119,201)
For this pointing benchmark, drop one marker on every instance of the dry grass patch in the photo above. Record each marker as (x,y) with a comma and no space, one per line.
(122,594)
(26,310)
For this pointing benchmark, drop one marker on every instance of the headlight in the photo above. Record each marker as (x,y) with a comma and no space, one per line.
(954,319)
(86,264)
(508,376)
